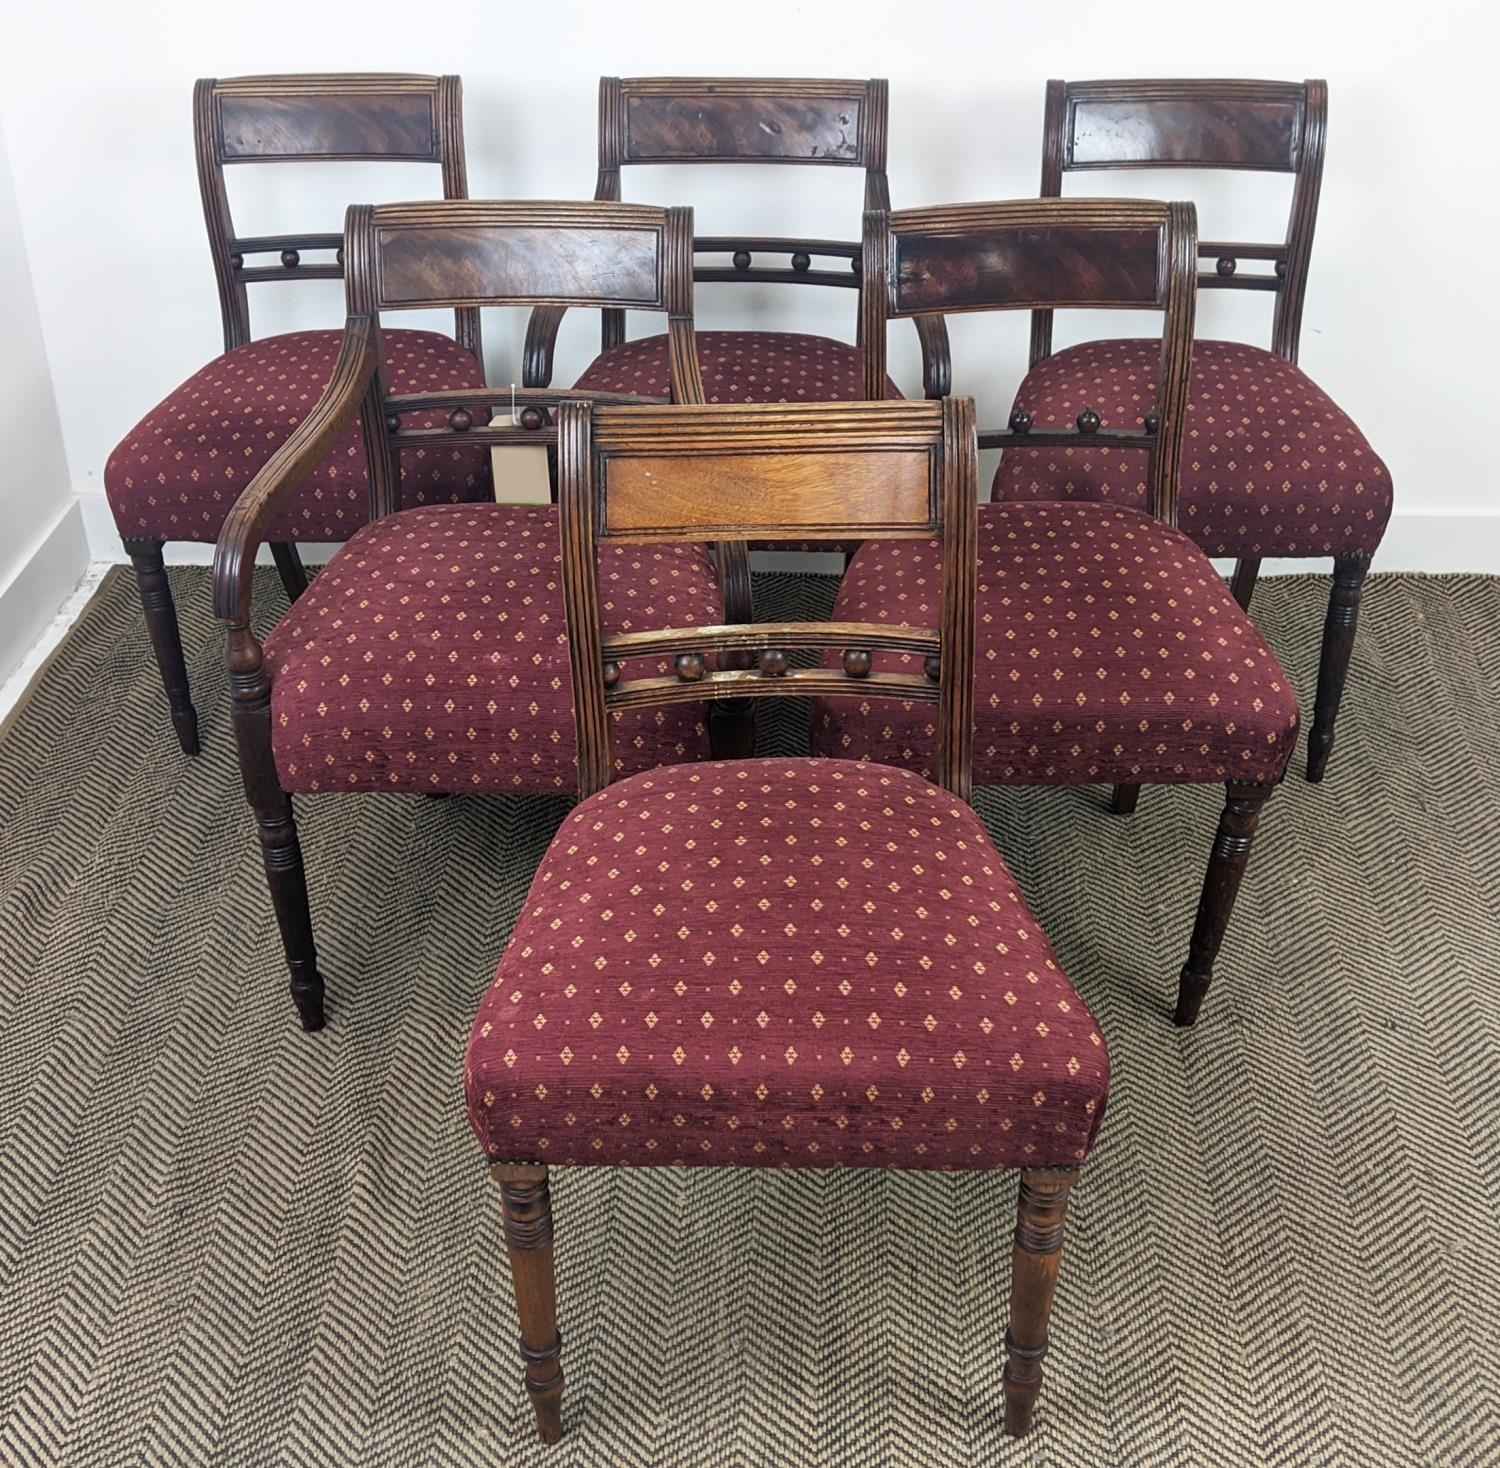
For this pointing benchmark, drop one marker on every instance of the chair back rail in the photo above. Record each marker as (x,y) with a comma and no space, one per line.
(344,118)
(1041,254)
(1272,127)
(467,254)
(809,121)
(670,475)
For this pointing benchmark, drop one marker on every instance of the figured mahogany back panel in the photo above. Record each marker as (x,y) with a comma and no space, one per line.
(752,471)
(741,120)
(748,120)
(1041,255)
(1273,127)
(323,118)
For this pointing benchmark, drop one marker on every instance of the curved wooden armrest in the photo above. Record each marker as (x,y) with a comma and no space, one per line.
(247,523)
(541,342)
(937,361)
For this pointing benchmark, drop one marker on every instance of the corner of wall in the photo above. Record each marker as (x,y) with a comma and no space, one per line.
(30,600)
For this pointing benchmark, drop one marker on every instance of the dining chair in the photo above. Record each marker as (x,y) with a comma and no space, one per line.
(739,120)
(430,654)
(1109,650)
(777,962)
(175,475)
(1271,465)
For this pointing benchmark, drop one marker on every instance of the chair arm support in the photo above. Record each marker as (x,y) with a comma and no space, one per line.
(541,342)
(937,361)
(246,526)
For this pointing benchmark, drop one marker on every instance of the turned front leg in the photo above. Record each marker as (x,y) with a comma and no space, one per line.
(1041,1214)
(526,1208)
(1221,884)
(281,851)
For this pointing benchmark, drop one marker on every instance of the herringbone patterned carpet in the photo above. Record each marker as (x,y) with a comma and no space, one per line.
(222,1241)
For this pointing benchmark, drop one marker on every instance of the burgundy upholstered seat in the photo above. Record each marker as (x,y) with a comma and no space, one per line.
(1107,650)
(1271,466)
(431,654)
(782,962)
(742,367)
(180,469)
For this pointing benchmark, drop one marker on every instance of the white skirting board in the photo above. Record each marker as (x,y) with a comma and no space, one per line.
(30,600)
(1413,542)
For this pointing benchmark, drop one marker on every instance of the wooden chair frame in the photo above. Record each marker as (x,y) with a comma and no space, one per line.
(455,254)
(328,117)
(1255,126)
(764,120)
(1053,254)
(663,475)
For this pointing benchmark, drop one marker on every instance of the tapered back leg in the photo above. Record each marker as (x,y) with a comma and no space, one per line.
(290,568)
(1339,626)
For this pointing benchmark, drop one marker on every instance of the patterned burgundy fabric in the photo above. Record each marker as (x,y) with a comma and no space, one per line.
(745,367)
(741,367)
(181,468)
(1270,465)
(1107,649)
(431,654)
(784,962)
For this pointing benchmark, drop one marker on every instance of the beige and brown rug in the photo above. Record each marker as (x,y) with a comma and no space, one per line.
(224,1241)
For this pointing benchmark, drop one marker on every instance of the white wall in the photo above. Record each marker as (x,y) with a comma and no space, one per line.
(98,109)
(43,550)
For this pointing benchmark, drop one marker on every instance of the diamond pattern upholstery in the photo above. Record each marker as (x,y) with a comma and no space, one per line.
(180,469)
(431,654)
(1271,466)
(1107,650)
(782,962)
(741,367)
